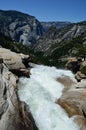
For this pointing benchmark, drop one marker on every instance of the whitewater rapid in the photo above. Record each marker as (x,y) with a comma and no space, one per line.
(40,92)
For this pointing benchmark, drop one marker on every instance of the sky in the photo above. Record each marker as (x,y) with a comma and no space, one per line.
(49,10)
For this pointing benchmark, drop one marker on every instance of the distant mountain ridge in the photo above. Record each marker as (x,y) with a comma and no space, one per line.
(24,28)
(59,36)
(57,24)
(59,44)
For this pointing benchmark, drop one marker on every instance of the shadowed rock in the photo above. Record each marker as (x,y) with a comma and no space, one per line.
(13,113)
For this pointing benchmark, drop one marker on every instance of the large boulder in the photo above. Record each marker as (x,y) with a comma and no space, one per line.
(73,64)
(16,63)
(13,113)
(73,100)
(79,76)
(83,64)
(78,66)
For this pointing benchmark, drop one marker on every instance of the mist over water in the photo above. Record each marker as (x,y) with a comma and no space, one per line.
(40,92)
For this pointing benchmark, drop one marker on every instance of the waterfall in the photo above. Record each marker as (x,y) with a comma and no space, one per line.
(40,92)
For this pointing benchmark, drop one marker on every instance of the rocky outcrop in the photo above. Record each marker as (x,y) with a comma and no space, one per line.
(78,66)
(79,76)
(13,112)
(73,100)
(73,64)
(16,63)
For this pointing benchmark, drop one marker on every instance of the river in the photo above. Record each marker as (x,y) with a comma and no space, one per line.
(40,92)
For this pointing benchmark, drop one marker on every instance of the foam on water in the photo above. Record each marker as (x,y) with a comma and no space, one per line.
(40,92)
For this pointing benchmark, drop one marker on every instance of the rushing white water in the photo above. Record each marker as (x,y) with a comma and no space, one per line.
(40,92)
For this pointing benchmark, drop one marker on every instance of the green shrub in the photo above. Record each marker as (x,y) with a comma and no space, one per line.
(83,70)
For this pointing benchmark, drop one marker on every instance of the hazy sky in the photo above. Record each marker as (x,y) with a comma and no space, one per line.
(49,10)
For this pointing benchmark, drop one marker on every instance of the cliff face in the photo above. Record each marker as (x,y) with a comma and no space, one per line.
(13,112)
(20,27)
